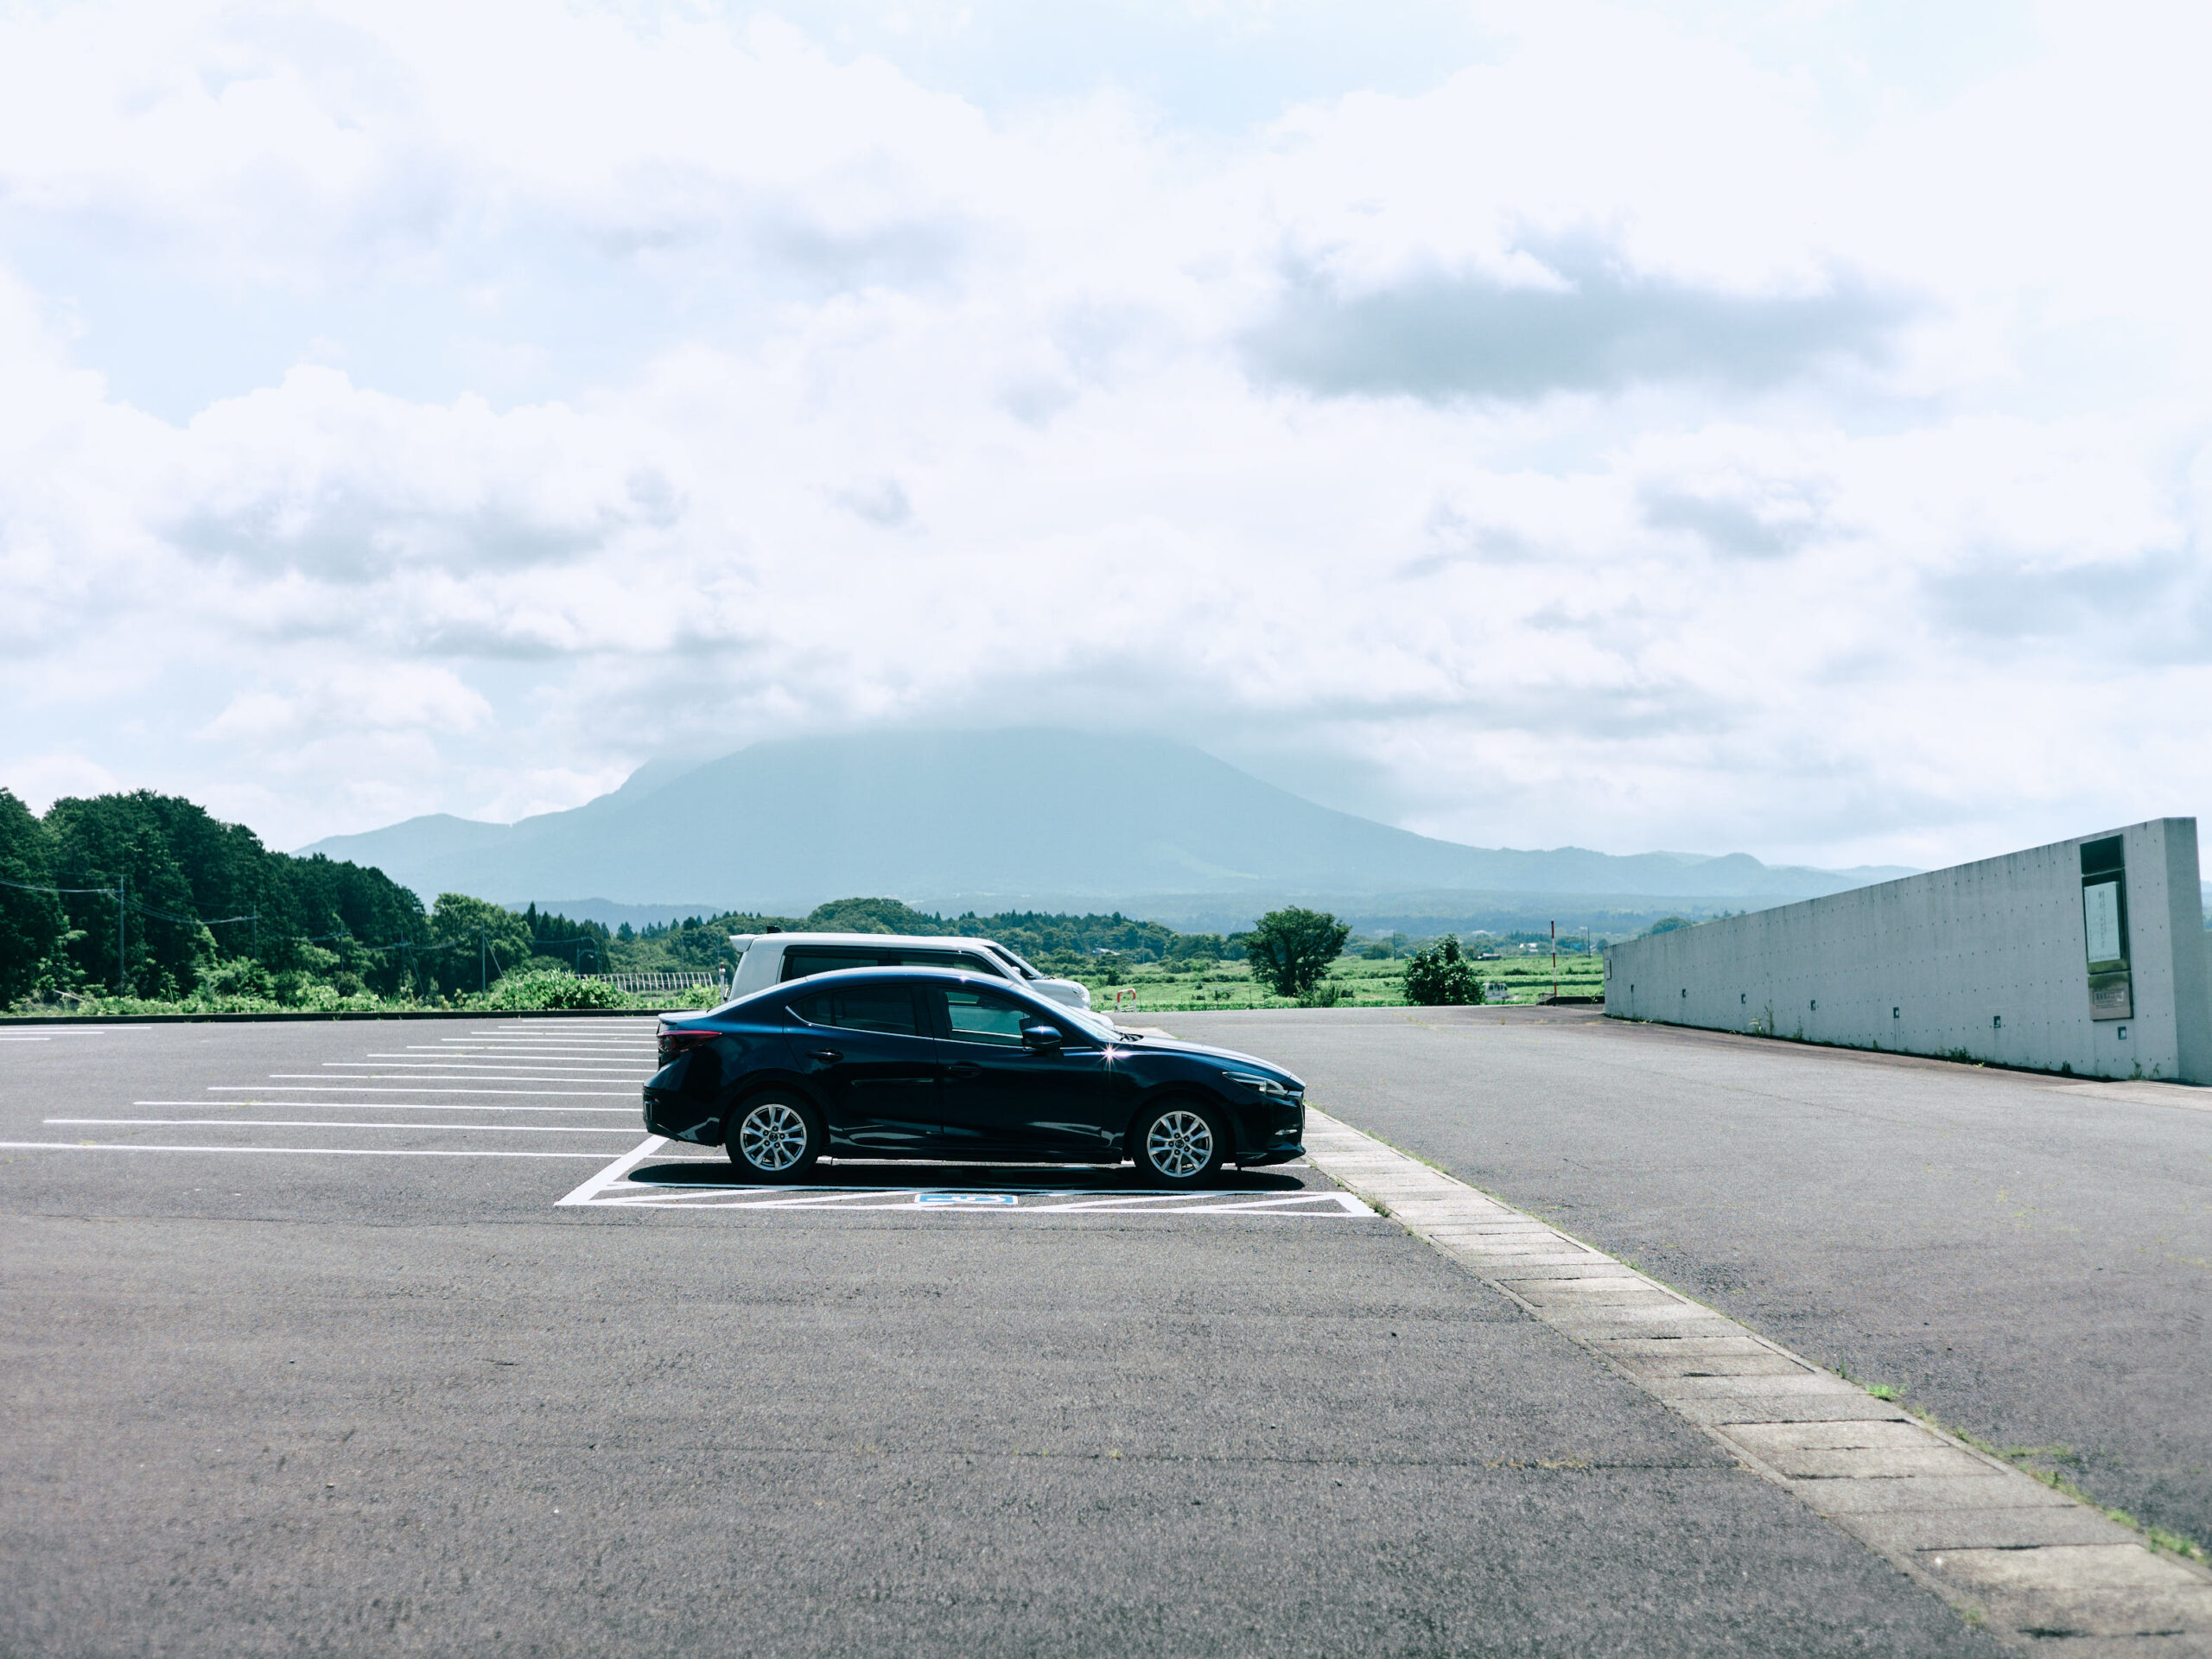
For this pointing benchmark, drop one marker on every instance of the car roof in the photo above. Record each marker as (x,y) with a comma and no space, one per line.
(925,941)
(961,976)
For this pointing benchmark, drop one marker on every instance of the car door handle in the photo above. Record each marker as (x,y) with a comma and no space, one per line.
(829,1056)
(964,1071)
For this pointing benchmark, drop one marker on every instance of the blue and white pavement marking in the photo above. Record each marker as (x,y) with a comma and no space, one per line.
(619,1186)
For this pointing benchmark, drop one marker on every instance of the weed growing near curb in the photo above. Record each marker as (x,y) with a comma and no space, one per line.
(2156,1537)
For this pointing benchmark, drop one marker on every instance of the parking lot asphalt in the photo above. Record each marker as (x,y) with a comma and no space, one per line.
(2029,1258)
(303,1357)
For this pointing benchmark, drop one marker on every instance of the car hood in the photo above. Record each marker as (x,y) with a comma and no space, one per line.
(1207,1051)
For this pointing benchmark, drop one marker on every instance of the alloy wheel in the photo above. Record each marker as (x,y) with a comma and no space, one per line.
(1180,1144)
(772,1137)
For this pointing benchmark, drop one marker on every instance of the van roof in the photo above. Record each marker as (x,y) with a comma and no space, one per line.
(923,940)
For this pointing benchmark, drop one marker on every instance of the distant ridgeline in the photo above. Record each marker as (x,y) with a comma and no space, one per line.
(200,909)
(1011,822)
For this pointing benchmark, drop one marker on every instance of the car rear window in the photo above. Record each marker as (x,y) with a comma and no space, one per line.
(888,1008)
(798,964)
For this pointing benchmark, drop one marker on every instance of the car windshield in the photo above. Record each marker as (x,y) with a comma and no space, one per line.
(1100,1030)
(1023,968)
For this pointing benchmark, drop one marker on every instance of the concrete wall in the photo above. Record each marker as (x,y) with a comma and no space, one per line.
(1984,961)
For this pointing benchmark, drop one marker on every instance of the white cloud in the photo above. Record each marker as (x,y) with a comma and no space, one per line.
(39,781)
(1631,431)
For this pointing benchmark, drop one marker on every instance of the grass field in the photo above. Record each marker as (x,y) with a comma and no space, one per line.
(1354,982)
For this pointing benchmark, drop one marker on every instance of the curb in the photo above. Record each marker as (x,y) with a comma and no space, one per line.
(2027,1562)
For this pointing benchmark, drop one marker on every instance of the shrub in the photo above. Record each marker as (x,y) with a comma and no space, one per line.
(1290,949)
(698,996)
(238,977)
(1440,976)
(552,987)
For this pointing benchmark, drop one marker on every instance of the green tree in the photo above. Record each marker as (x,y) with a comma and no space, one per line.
(581,947)
(1289,948)
(1440,976)
(873,916)
(477,941)
(110,840)
(32,925)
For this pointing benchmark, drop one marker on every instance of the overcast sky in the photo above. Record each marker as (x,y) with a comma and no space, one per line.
(1784,429)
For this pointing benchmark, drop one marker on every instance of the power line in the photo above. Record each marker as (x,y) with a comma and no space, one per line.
(188,921)
(29,887)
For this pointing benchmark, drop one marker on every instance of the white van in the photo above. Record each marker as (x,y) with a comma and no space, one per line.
(766,959)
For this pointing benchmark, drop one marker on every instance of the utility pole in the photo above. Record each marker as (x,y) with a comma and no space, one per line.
(122,893)
(1555,961)
(483,960)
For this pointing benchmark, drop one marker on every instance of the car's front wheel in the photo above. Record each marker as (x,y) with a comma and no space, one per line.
(773,1138)
(1179,1145)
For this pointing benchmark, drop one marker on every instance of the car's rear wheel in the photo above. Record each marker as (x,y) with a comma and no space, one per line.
(773,1137)
(1179,1145)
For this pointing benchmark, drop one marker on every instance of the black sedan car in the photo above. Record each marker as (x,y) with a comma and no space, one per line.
(926,1063)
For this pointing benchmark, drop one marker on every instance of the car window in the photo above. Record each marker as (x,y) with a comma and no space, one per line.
(888,1008)
(979,1017)
(961,959)
(798,964)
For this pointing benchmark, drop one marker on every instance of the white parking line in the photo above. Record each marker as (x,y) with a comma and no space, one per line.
(386,1063)
(305,1152)
(614,1172)
(1289,1205)
(287,1123)
(607,1050)
(72,1031)
(450,1076)
(533,1057)
(389,1106)
(612,1188)
(326,1089)
(440,1050)
(558,1044)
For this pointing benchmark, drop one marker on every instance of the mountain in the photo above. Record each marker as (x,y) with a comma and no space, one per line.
(994,821)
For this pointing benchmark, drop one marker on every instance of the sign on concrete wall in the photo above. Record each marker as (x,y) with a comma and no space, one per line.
(2087,956)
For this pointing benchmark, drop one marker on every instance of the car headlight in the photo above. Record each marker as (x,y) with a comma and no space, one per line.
(1267,1086)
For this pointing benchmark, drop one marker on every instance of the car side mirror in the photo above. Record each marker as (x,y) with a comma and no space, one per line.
(1041,1036)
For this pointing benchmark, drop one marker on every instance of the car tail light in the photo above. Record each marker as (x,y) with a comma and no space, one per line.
(675,1042)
